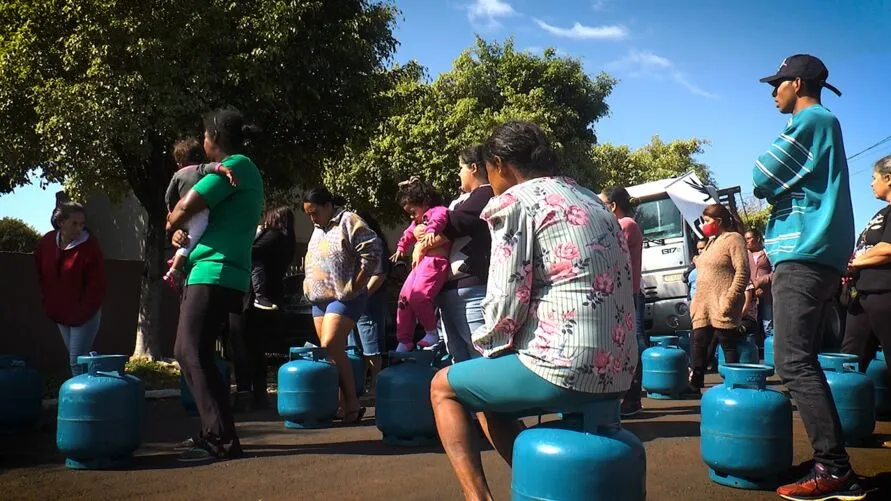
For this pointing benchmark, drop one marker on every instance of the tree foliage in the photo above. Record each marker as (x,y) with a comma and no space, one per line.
(428,123)
(17,235)
(94,92)
(755,214)
(622,166)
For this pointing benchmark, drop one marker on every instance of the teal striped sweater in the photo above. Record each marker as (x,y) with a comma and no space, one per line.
(804,175)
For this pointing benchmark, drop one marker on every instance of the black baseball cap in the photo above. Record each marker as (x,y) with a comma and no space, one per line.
(805,67)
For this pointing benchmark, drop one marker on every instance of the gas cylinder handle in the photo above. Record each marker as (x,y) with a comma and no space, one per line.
(851,367)
(315,353)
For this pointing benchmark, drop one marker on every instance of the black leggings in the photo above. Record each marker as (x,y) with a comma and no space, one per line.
(868,323)
(702,338)
(202,314)
(247,331)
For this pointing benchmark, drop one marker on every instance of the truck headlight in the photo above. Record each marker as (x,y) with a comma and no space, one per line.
(682,308)
(672,322)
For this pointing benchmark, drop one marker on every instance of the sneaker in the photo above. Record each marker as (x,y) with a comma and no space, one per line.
(197,455)
(821,485)
(630,408)
(185,445)
(264,304)
(429,340)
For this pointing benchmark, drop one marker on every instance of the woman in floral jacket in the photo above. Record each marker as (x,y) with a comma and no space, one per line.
(342,256)
(559,309)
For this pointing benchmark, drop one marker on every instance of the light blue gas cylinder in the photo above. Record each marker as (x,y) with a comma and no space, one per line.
(768,351)
(561,461)
(854,396)
(746,429)
(403,411)
(100,414)
(21,394)
(881,379)
(357,363)
(664,368)
(308,389)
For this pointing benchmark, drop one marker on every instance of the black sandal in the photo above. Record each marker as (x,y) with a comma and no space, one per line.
(359,413)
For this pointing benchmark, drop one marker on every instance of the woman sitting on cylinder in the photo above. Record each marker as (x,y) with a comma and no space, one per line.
(721,280)
(559,310)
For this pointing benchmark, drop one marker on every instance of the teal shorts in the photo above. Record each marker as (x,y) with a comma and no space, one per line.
(506,386)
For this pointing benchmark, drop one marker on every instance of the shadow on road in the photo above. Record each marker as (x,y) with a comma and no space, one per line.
(651,430)
(879,486)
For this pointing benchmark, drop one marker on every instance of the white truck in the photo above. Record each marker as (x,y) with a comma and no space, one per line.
(669,246)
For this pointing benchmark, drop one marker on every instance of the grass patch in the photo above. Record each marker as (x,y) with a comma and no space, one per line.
(155,375)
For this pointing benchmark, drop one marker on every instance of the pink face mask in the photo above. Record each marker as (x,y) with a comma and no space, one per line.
(710,229)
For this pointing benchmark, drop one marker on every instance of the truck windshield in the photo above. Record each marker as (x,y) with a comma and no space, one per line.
(659,219)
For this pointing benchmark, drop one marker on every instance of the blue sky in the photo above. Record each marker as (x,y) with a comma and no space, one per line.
(686,69)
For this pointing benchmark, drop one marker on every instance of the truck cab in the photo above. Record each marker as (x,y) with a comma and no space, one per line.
(669,244)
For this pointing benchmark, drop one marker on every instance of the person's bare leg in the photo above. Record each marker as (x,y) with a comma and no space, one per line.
(501,433)
(335,330)
(459,438)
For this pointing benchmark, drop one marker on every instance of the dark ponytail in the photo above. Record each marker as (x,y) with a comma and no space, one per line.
(321,196)
(730,221)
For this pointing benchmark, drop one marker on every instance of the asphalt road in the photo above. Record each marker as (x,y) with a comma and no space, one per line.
(351,463)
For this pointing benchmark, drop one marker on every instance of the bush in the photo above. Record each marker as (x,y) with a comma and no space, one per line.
(17,236)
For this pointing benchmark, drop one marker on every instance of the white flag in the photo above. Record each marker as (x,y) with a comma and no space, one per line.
(691,197)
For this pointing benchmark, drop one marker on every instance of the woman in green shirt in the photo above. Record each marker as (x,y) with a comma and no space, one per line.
(219,276)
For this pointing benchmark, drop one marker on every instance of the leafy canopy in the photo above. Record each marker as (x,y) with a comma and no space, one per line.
(428,123)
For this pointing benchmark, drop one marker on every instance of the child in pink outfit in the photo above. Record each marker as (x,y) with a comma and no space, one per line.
(416,299)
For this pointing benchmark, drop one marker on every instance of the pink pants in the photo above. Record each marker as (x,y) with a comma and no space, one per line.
(416,297)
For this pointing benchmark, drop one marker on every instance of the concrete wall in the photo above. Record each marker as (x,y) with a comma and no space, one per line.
(26,329)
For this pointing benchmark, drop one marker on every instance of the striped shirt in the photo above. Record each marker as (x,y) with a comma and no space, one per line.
(560,287)
(804,175)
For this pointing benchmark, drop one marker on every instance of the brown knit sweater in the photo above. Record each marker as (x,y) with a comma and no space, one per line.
(721,279)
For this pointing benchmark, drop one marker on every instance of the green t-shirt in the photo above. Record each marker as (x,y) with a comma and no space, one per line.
(223,255)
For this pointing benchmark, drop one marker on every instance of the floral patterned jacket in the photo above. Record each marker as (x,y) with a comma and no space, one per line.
(560,287)
(335,254)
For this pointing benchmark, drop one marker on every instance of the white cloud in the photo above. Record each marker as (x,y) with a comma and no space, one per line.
(489,11)
(646,64)
(582,32)
(599,5)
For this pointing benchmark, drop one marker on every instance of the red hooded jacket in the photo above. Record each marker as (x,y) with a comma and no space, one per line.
(72,280)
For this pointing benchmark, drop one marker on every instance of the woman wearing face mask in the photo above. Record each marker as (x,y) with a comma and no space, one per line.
(618,201)
(71,272)
(722,277)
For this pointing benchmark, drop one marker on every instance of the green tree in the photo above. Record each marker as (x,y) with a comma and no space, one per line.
(428,123)
(17,236)
(754,215)
(94,92)
(619,165)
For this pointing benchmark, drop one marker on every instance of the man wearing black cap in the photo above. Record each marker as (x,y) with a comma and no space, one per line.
(809,238)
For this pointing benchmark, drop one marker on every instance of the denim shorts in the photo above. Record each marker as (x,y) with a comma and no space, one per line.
(352,308)
(506,386)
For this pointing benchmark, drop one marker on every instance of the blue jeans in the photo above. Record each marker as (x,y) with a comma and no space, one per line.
(802,294)
(765,315)
(79,340)
(643,342)
(371,326)
(462,314)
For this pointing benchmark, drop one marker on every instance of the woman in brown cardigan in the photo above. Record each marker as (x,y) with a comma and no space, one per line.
(723,274)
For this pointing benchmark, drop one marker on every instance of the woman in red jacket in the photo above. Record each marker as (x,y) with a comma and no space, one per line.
(71,271)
